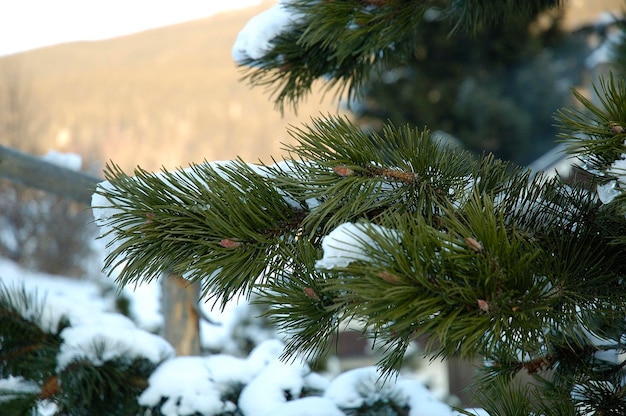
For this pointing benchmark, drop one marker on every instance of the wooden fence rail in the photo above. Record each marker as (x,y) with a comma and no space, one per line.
(37,173)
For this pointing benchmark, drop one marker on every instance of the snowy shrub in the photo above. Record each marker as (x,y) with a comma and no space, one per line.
(262,385)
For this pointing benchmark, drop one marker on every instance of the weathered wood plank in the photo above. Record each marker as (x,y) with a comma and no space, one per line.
(37,173)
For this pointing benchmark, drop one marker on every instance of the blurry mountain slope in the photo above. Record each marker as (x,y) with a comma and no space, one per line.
(164,97)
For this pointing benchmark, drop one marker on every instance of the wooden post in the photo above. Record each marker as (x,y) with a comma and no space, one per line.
(179,305)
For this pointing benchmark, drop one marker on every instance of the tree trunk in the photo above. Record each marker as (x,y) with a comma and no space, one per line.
(179,302)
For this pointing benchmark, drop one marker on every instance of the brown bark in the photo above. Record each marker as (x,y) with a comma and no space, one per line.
(179,300)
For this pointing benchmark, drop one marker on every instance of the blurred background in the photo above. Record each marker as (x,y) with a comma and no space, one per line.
(170,96)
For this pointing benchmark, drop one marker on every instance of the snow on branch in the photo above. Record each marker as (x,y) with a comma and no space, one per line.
(350,243)
(255,39)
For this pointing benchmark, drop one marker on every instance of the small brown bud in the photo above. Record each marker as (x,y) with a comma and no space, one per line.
(616,128)
(483,305)
(389,278)
(473,245)
(311,293)
(515,308)
(50,388)
(228,243)
(342,170)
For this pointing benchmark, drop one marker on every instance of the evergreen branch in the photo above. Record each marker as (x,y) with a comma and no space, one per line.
(598,133)
(219,224)
(431,291)
(487,258)
(337,41)
(466,289)
(30,351)
(16,403)
(360,176)
(301,307)
(579,379)
(504,398)
(28,348)
(86,388)
(345,42)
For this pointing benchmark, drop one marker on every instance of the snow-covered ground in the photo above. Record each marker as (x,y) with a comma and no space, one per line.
(184,385)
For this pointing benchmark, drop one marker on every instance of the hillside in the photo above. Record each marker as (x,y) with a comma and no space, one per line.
(164,97)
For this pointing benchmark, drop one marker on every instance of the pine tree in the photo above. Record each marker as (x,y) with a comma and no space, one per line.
(494,91)
(408,238)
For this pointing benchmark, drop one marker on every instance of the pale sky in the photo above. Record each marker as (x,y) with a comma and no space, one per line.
(31,24)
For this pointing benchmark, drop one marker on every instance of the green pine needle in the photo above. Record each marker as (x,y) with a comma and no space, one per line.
(597,133)
(488,257)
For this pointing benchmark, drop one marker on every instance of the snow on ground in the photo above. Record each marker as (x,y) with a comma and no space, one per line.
(92,318)
(69,297)
(184,385)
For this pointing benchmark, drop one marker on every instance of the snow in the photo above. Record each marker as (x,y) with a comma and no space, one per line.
(421,401)
(184,383)
(18,385)
(103,211)
(94,332)
(308,406)
(70,161)
(199,385)
(60,297)
(144,306)
(271,388)
(349,243)
(364,387)
(255,39)
(104,337)
(609,191)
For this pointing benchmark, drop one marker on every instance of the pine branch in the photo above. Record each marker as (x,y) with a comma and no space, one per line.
(221,224)
(339,41)
(505,398)
(473,254)
(96,379)
(344,42)
(85,387)
(598,132)
(300,308)
(28,348)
